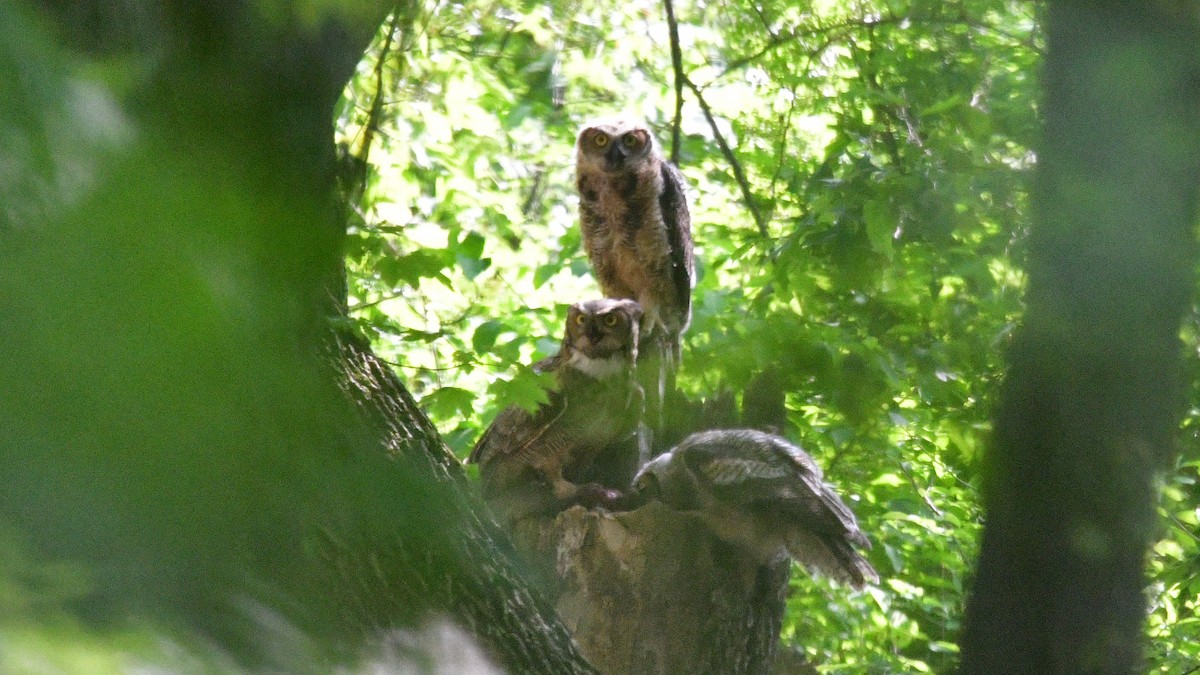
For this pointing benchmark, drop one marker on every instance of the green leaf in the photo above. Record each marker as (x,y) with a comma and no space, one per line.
(471,246)
(880,225)
(889,479)
(473,267)
(450,402)
(411,268)
(485,336)
(527,389)
(543,273)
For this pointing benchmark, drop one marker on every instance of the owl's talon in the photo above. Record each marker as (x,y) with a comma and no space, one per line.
(628,501)
(595,495)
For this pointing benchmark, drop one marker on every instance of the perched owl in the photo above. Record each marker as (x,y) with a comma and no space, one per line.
(763,494)
(527,461)
(636,226)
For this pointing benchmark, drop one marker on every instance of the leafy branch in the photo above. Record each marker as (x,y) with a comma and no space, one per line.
(868,23)
(682,80)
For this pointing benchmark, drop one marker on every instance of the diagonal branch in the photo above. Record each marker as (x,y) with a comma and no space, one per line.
(374,115)
(677,65)
(738,173)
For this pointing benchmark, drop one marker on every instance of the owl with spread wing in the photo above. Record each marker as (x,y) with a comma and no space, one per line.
(763,494)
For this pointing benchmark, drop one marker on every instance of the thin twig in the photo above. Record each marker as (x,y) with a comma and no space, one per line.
(377,301)
(677,65)
(738,173)
(373,117)
(441,369)
(786,126)
(1183,527)
(762,18)
(904,468)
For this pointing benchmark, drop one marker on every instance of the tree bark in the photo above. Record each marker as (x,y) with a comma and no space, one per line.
(1093,397)
(478,585)
(651,592)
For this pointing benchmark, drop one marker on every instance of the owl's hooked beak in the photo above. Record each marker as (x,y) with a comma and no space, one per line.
(595,341)
(615,157)
(594,332)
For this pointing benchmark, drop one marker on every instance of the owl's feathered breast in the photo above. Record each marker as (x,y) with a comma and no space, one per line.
(623,227)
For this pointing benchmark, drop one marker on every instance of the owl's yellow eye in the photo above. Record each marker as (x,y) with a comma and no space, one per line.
(600,140)
(610,320)
(579,319)
(631,140)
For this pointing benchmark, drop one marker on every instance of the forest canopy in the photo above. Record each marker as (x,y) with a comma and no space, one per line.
(860,184)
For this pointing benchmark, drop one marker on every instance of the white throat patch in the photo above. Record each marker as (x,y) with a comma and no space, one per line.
(602,368)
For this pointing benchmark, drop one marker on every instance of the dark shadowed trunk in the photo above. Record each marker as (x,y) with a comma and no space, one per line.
(1093,395)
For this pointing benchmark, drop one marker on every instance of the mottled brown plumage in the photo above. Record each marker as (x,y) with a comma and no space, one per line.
(763,494)
(527,459)
(636,225)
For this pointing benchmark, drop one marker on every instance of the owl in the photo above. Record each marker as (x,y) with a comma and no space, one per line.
(526,460)
(763,494)
(636,227)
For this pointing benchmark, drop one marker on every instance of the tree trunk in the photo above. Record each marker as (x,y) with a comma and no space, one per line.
(477,585)
(651,592)
(1092,399)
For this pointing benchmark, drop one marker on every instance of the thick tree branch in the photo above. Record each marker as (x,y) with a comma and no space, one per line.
(479,585)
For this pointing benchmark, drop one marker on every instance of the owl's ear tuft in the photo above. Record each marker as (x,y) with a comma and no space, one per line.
(593,138)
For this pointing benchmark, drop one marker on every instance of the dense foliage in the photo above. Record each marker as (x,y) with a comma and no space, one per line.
(859,177)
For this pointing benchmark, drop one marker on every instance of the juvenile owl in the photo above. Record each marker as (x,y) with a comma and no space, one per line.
(761,493)
(636,226)
(526,460)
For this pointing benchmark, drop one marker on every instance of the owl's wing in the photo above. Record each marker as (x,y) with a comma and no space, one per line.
(777,488)
(816,505)
(672,202)
(515,428)
(760,475)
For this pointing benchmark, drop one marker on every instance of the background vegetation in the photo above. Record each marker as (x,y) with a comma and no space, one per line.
(859,179)
(859,176)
